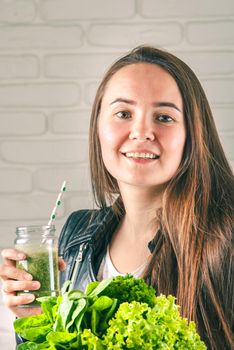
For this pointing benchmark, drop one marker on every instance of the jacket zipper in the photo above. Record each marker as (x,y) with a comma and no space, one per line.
(77,266)
(75,241)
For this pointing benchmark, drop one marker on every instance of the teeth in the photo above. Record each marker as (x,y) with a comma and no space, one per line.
(141,155)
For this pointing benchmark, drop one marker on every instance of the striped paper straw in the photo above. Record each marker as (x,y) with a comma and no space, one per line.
(57,204)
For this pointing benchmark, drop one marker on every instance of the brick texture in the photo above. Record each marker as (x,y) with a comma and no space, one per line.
(77,66)
(213,33)
(227,141)
(44,151)
(75,122)
(114,35)
(47,179)
(224,118)
(19,67)
(17,11)
(209,63)
(184,8)
(217,89)
(15,181)
(68,10)
(28,207)
(39,95)
(22,123)
(40,37)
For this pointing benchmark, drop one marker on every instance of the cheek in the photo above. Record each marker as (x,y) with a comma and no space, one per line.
(177,138)
(173,143)
(177,144)
(106,135)
(109,135)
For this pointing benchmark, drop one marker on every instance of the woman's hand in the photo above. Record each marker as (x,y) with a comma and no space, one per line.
(14,280)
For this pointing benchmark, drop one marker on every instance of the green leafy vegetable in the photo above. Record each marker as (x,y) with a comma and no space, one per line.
(119,313)
(91,341)
(48,304)
(128,288)
(35,346)
(137,326)
(77,313)
(33,328)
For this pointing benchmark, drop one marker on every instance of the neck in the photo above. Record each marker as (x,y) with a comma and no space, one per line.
(141,204)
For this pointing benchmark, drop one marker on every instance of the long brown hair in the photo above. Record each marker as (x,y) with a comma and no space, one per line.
(193,254)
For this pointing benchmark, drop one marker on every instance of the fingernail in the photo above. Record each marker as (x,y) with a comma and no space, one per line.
(36,284)
(21,256)
(30,297)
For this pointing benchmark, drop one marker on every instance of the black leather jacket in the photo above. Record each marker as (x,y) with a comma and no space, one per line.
(83,243)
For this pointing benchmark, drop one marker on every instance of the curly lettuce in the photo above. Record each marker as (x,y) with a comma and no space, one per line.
(137,326)
(128,289)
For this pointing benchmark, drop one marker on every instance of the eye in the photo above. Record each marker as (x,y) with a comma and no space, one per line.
(123,115)
(164,118)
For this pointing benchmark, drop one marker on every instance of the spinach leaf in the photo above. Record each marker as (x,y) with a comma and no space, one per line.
(100,287)
(98,313)
(77,312)
(47,308)
(106,317)
(58,325)
(81,319)
(102,303)
(65,287)
(65,309)
(95,318)
(46,298)
(75,294)
(91,286)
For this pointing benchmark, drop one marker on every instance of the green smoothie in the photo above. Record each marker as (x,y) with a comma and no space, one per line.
(42,264)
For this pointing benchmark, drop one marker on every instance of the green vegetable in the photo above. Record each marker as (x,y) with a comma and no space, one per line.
(91,341)
(137,326)
(35,346)
(48,305)
(128,288)
(33,328)
(119,313)
(63,339)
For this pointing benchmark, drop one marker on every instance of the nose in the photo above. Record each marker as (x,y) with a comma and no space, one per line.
(142,131)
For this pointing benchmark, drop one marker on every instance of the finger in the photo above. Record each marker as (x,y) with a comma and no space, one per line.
(13,254)
(11,272)
(61,264)
(25,311)
(11,300)
(10,286)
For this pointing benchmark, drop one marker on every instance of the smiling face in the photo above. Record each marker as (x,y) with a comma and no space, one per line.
(141,126)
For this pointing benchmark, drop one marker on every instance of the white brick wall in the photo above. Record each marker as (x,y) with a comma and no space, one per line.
(52,55)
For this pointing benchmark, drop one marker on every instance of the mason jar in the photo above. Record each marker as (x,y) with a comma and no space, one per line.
(39,243)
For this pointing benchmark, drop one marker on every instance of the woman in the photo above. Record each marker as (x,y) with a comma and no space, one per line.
(165,193)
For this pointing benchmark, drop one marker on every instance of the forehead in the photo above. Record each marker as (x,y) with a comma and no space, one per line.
(143,79)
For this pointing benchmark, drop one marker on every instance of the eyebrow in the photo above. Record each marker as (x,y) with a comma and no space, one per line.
(155,104)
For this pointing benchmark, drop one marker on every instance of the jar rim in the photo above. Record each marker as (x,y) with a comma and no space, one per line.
(33,228)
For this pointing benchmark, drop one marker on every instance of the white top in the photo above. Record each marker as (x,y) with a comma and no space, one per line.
(107,268)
